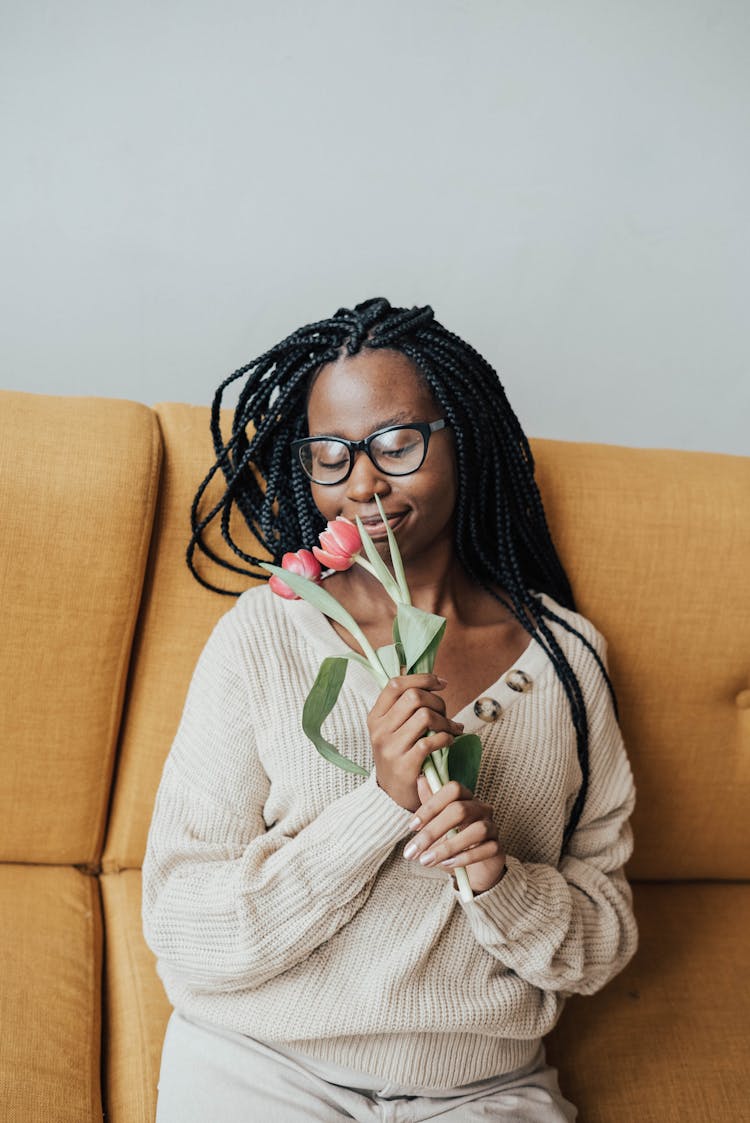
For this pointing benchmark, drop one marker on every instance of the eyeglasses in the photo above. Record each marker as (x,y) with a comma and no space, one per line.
(398,450)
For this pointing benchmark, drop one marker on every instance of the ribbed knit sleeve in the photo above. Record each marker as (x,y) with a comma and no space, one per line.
(571,928)
(228,901)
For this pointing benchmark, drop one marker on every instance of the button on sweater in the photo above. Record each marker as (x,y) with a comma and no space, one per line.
(276,897)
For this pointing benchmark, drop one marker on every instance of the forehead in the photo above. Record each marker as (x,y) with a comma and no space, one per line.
(361,393)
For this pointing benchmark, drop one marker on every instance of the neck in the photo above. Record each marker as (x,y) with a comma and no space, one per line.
(437,583)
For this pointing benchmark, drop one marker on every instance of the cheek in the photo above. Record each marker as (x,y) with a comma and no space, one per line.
(324,500)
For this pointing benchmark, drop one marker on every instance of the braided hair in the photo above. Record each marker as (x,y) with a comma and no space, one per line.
(501,532)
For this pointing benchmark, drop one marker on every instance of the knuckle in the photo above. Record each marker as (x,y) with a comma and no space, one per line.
(412,696)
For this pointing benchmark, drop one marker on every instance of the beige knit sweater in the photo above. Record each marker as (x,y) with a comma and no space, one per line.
(277,899)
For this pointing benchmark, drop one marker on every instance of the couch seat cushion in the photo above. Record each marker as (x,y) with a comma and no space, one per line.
(667,1040)
(136,1010)
(50,1000)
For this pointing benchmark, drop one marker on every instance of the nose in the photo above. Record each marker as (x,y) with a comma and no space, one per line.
(365,479)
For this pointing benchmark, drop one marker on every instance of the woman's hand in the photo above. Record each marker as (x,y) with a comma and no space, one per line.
(405,711)
(476,846)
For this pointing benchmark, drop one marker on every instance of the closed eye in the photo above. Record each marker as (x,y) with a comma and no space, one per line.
(397,453)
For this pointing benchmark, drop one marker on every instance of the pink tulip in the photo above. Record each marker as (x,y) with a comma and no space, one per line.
(340,542)
(301,562)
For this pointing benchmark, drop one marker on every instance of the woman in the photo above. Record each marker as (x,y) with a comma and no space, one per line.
(308,932)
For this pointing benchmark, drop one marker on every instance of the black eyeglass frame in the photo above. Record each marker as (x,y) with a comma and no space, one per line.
(425,428)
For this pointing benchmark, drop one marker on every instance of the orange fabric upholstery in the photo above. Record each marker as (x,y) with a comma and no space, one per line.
(78,485)
(667,1039)
(50,994)
(136,1009)
(657,547)
(177,616)
(97,652)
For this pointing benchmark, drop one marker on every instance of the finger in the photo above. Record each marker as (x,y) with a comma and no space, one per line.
(414,703)
(426,721)
(399,685)
(438,801)
(425,745)
(484,853)
(411,702)
(476,837)
(463,816)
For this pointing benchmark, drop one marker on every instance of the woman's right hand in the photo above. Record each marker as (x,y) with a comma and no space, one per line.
(406,709)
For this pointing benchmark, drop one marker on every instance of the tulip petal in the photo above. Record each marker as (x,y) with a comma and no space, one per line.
(346,535)
(278,587)
(303,563)
(333,561)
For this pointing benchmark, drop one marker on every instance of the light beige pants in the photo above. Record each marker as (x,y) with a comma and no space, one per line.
(211,1075)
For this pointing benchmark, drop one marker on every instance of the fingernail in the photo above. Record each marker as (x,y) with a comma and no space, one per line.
(410,850)
(427,859)
(442,681)
(415,824)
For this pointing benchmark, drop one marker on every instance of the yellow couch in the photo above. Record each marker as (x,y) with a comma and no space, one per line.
(101,627)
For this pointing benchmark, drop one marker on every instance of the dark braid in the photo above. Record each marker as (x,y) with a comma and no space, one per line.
(502,535)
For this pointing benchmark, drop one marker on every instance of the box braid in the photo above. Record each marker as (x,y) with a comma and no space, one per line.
(502,535)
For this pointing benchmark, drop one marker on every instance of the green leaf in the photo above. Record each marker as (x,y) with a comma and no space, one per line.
(398,565)
(382,572)
(318,705)
(355,657)
(464,758)
(398,645)
(312,592)
(389,659)
(426,662)
(420,634)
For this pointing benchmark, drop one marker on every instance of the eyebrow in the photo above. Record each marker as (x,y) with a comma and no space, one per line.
(395,420)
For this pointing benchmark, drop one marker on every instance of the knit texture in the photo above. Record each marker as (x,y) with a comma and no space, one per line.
(277,899)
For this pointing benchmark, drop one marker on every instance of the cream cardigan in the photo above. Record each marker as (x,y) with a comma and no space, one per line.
(277,899)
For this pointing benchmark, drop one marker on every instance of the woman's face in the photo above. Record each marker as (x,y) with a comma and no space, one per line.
(358,395)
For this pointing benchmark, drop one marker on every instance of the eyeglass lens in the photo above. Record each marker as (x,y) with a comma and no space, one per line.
(396,452)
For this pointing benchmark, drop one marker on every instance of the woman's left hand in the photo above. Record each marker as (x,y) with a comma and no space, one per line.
(476,846)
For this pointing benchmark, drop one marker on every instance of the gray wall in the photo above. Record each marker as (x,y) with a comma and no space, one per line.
(566,183)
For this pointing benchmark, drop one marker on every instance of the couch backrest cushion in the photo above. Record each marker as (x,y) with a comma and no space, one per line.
(78,485)
(177,615)
(657,545)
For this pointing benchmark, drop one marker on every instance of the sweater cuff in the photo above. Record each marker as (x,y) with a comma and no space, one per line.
(519,904)
(370,825)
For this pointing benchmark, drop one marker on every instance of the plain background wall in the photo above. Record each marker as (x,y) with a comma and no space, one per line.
(566,183)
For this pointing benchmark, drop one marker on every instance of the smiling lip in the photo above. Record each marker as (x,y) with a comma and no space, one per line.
(375,527)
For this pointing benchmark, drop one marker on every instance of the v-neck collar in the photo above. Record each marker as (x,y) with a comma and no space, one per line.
(320,633)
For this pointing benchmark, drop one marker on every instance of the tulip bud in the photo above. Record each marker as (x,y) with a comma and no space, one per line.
(339,544)
(301,562)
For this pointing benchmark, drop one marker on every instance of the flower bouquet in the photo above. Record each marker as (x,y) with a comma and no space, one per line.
(416,638)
